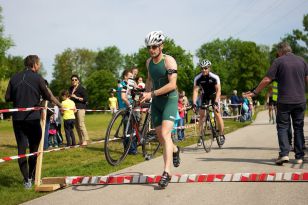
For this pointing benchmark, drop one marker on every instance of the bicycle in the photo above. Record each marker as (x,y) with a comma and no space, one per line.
(123,129)
(209,129)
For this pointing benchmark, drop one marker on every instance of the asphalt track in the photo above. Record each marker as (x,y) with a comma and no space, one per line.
(251,149)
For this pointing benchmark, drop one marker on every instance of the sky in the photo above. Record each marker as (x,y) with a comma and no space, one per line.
(47,28)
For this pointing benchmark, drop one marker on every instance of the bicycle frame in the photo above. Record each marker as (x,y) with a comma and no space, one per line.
(132,118)
(210,117)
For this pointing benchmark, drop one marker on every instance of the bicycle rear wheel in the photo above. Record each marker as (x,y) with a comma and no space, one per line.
(150,144)
(207,135)
(116,142)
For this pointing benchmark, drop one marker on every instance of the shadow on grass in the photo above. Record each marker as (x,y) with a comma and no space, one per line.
(8,181)
(8,146)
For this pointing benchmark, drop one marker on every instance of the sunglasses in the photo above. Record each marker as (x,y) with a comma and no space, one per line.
(204,68)
(74,79)
(153,47)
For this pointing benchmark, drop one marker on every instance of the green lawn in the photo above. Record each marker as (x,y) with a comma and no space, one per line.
(80,161)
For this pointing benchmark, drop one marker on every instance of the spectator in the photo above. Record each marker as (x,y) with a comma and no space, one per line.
(58,119)
(235,103)
(68,117)
(245,112)
(140,83)
(185,105)
(113,102)
(181,121)
(125,100)
(291,73)
(50,112)
(25,89)
(52,139)
(135,72)
(78,94)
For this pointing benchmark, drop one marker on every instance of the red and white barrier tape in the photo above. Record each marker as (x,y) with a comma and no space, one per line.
(189,178)
(21,109)
(229,117)
(41,108)
(6,159)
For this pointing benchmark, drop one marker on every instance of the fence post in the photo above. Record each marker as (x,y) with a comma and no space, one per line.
(38,169)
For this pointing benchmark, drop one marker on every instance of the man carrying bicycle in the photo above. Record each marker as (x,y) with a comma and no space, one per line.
(209,83)
(162,76)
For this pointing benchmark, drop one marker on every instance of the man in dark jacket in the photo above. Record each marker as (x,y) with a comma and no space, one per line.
(25,89)
(291,73)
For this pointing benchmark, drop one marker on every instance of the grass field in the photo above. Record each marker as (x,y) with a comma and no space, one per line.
(79,161)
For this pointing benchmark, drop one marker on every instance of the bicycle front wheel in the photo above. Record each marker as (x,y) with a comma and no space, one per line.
(116,142)
(207,136)
(150,144)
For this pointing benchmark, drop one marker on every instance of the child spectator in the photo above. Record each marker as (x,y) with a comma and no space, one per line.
(140,83)
(68,117)
(175,127)
(181,121)
(113,102)
(52,138)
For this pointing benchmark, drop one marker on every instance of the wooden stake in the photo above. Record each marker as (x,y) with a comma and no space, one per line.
(38,170)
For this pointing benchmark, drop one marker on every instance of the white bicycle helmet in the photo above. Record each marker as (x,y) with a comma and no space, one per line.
(205,63)
(154,38)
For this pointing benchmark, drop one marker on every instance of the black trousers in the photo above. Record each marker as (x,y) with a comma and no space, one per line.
(27,132)
(69,132)
(284,113)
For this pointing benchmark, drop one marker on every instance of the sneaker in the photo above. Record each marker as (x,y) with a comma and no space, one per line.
(164,180)
(176,158)
(132,152)
(281,160)
(28,184)
(222,139)
(299,161)
(199,143)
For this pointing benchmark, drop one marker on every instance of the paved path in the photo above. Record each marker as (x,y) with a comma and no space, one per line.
(249,149)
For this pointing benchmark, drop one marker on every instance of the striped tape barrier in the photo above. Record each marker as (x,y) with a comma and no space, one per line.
(6,159)
(188,178)
(41,108)
(21,109)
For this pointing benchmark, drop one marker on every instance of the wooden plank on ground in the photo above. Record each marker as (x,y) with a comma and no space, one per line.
(47,187)
(53,180)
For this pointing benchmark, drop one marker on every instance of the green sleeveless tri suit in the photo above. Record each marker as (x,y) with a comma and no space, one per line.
(164,107)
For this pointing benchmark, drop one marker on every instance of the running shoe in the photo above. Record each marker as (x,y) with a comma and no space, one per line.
(281,160)
(176,158)
(164,180)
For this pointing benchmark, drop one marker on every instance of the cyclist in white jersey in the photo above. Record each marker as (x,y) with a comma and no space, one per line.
(209,83)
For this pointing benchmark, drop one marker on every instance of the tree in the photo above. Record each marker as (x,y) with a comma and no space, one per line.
(298,41)
(98,86)
(5,44)
(240,64)
(14,64)
(78,61)
(110,59)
